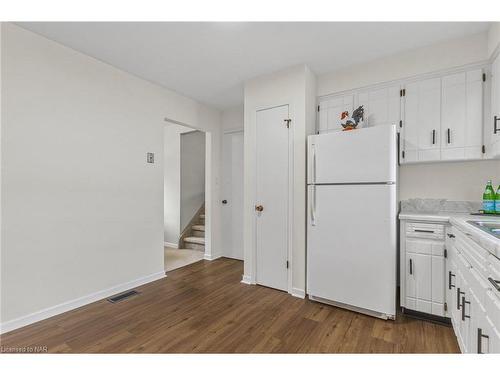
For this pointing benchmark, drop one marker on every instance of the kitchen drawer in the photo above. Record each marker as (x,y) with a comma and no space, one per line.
(425,230)
(478,284)
(475,255)
(492,307)
(494,265)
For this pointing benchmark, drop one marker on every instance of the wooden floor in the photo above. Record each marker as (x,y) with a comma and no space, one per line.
(204,307)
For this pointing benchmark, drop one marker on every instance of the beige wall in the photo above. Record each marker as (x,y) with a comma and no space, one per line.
(455,181)
(82,211)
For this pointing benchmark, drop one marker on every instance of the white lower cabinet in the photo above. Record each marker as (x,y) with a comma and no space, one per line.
(453,278)
(423,267)
(473,301)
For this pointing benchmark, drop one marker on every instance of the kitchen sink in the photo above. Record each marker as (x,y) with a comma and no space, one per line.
(491,227)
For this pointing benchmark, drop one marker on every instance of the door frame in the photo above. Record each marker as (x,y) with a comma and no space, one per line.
(224,133)
(209,194)
(253,277)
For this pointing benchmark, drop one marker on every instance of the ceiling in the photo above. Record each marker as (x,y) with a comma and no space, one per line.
(209,61)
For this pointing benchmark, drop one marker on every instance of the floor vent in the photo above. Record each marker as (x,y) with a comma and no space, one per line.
(121,297)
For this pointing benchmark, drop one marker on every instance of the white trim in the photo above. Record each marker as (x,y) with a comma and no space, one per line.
(78,302)
(299,293)
(233,130)
(247,280)
(211,257)
(171,244)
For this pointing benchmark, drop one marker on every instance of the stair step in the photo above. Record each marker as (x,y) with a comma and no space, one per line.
(200,228)
(202,216)
(197,240)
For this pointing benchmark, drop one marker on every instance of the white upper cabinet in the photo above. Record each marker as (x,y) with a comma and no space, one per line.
(492,126)
(422,121)
(446,117)
(381,106)
(330,112)
(462,116)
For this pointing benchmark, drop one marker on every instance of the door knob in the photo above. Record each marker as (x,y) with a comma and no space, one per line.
(259,208)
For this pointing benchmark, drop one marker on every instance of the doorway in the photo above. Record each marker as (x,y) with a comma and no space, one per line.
(232,194)
(272,197)
(184,195)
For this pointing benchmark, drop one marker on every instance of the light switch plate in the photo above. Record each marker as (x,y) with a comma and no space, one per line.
(151,157)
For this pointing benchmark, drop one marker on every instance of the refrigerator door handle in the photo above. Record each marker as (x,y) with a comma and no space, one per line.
(313,177)
(313,205)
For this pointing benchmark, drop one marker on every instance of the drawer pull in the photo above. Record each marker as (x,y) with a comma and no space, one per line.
(411,267)
(464,302)
(423,231)
(480,340)
(450,275)
(450,235)
(495,283)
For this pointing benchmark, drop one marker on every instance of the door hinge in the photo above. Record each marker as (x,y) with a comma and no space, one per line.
(287,264)
(400,123)
(401,92)
(445,253)
(403,154)
(484,77)
(287,121)
(445,306)
(483,149)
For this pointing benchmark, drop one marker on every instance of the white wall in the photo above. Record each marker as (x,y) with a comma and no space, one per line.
(82,211)
(172,181)
(232,119)
(459,180)
(192,175)
(291,87)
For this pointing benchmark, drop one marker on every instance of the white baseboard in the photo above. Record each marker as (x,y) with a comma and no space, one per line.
(299,293)
(171,244)
(246,280)
(78,302)
(211,257)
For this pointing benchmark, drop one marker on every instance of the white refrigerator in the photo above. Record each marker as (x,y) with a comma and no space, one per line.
(352,214)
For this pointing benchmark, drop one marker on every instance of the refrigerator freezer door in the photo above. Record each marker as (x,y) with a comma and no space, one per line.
(351,252)
(363,155)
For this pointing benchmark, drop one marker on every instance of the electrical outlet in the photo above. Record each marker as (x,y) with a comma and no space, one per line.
(150,157)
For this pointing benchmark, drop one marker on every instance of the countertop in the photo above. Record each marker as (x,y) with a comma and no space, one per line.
(485,240)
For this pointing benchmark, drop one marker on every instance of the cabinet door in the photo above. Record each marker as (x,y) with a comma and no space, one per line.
(462,106)
(422,121)
(438,285)
(419,282)
(493,124)
(330,112)
(381,106)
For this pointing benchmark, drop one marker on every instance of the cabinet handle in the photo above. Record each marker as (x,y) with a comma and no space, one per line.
(423,231)
(495,283)
(495,129)
(458,298)
(480,340)
(411,267)
(450,235)
(464,302)
(448,135)
(450,275)
(433,136)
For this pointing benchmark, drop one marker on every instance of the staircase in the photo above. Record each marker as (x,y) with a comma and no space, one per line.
(194,235)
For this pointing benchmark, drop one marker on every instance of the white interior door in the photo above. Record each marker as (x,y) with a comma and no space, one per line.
(232,195)
(272,176)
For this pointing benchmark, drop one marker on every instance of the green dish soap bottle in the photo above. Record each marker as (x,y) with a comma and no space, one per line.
(497,201)
(489,199)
